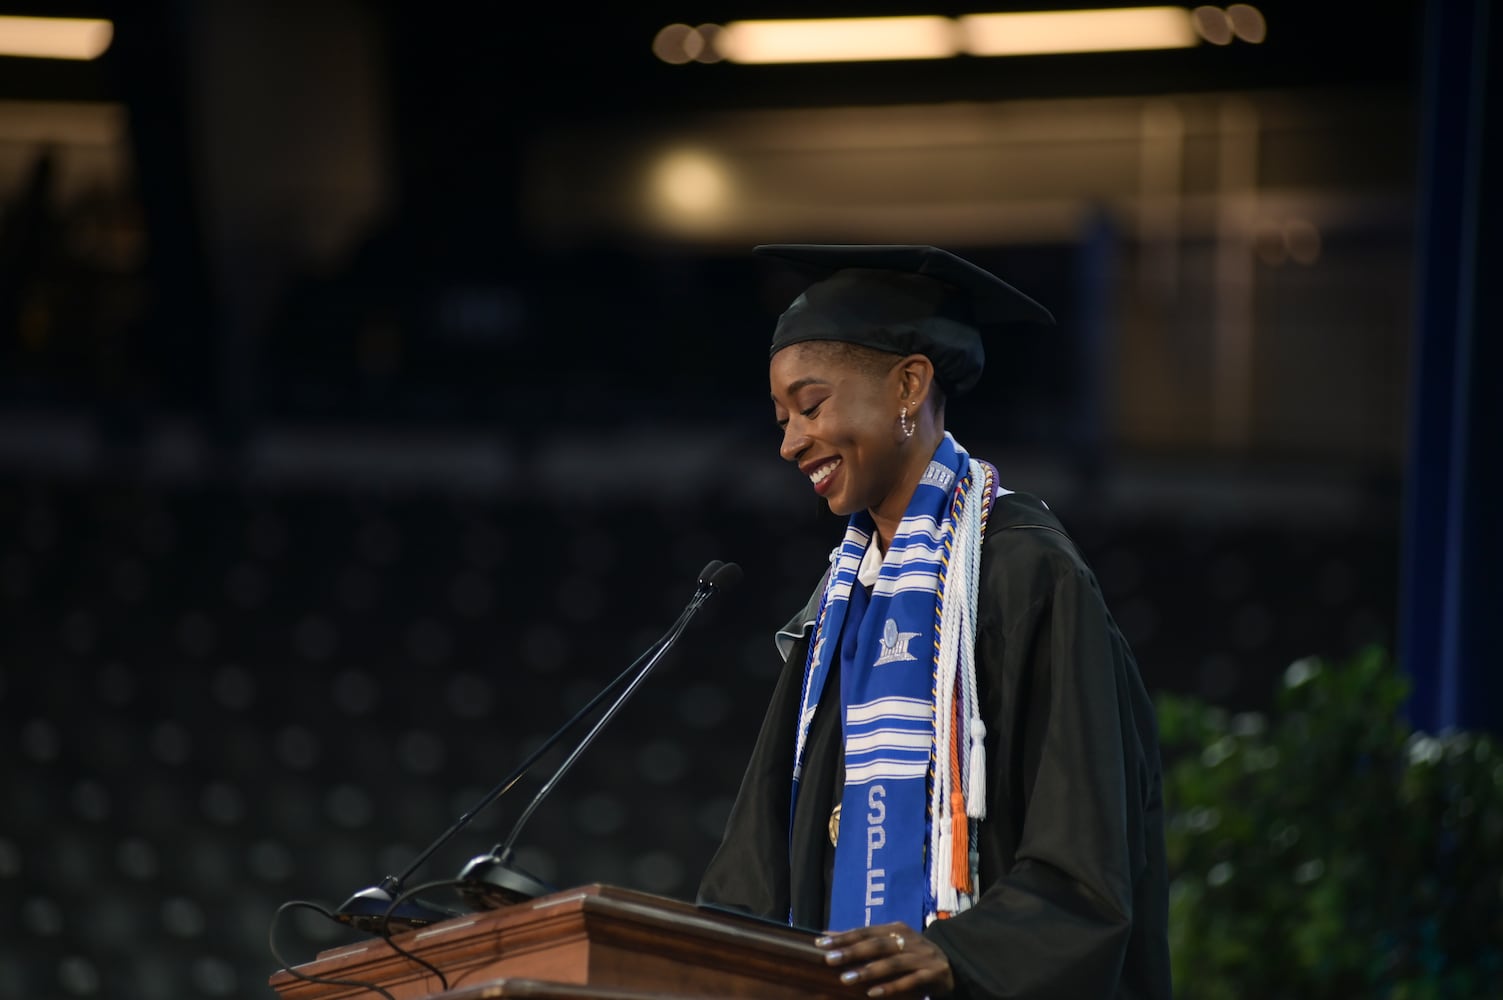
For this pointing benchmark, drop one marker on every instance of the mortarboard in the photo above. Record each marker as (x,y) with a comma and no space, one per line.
(904,300)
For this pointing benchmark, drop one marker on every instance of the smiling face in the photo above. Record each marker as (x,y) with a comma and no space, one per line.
(838,409)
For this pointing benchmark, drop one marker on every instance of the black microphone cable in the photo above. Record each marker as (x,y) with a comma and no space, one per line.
(294,904)
(383,931)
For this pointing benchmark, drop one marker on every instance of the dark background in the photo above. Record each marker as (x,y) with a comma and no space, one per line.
(357,423)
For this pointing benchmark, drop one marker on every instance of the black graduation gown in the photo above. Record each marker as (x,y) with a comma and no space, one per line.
(1075,900)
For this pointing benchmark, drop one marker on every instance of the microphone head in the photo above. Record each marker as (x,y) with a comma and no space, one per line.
(370,910)
(711,568)
(726,576)
(493,880)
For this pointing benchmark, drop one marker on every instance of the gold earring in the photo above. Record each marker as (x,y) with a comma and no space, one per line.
(903,422)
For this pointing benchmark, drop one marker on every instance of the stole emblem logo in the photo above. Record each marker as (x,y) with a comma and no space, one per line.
(895,644)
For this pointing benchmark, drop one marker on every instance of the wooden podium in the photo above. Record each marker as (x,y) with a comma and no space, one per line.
(595,942)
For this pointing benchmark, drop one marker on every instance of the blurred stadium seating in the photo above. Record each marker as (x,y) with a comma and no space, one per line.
(217,698)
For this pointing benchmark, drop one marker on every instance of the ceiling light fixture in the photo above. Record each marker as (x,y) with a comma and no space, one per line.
(1024,33)
(55,37)
(1059,32)
(844,39)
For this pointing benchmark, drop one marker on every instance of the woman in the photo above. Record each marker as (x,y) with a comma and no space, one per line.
(959,771)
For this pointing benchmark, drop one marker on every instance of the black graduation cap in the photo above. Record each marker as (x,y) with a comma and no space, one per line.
(901,299)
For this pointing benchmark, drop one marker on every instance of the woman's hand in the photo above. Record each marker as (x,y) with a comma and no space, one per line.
(892,959)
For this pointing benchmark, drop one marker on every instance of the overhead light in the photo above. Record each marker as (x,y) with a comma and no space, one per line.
(842,39)
(1056,32)
(55,37)
(690,186)
(1213,24)
(677,44)
(680,43)
(1024,33)
(1247,23)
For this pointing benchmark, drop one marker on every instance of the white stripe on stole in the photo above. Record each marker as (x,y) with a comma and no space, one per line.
(848,558)
(907,584)
(917,528)
(845,572)
(920,565)
(892,708)
(891,739)
(891,770)
(911,556)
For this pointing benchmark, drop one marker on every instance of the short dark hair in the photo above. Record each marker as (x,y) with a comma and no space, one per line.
(869,361)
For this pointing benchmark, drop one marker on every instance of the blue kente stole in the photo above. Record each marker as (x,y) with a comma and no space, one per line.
(885,646)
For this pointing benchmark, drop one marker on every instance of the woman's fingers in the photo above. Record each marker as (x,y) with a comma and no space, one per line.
(893,959)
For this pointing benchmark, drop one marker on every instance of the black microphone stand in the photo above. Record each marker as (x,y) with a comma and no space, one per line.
(371,909)
(493,880)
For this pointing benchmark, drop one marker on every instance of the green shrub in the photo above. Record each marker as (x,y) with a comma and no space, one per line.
(1328,849)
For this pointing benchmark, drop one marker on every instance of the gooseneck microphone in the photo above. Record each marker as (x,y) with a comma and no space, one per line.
(493,879)
(371,909)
